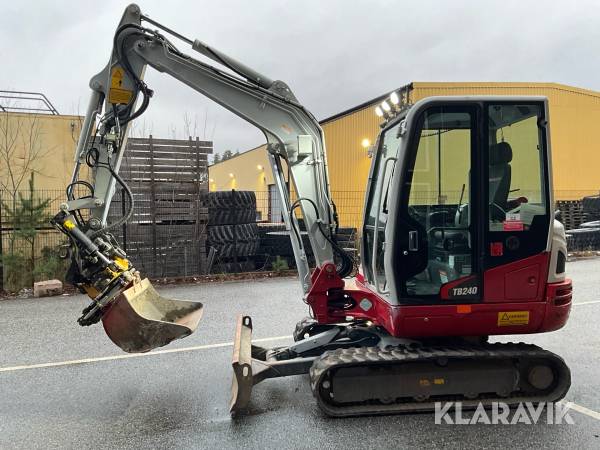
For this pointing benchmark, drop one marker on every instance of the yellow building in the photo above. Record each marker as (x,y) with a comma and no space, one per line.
(574,113)
(39,143)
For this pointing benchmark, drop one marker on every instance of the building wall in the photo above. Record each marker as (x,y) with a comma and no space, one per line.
(248,171)
(349,162)
(51,138)
(574,114)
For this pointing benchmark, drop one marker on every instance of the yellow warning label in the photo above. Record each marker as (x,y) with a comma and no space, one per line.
(117,94)
(116,77)
(510,318)
(439,381)
(69,225)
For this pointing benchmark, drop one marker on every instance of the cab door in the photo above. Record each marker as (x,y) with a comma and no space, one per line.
(376,207)
(434,254)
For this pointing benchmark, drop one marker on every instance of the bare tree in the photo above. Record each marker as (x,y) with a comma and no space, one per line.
(190,127)
(20,149)
(141,129)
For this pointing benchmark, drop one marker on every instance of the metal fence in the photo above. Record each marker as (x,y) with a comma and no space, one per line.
(180,237)
(349,206)
(29,248)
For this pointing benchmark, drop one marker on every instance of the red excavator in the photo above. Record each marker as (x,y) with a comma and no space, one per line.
(459,240)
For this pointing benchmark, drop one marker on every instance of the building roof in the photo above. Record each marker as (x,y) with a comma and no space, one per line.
(236,155)
(364,105)
(446,85)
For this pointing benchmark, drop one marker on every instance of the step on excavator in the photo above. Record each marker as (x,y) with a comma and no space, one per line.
(459,241)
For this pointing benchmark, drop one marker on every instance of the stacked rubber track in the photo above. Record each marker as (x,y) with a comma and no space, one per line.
(230,207)
(241,239)
(585,236)
(232,230)
(334,368)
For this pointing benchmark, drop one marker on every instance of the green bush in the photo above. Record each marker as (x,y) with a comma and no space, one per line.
(16,271)
(26,213)
(280,264)
(50,265)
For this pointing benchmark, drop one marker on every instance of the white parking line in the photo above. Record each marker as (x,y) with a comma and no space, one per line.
(132,355)
(581,409)
(586,303)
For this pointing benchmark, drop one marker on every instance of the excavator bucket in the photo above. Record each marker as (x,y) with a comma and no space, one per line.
(140,319)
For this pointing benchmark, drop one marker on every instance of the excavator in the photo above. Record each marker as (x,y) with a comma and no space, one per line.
(459,240)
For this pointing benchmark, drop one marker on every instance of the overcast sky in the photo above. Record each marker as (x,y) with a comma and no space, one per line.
(334,54)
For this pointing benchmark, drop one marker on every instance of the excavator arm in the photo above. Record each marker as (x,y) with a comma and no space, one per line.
(119,95)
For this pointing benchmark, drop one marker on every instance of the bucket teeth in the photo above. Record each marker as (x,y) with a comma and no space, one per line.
(140,319)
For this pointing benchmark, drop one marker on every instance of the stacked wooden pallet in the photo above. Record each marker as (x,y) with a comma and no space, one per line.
(166,235)
(571,213)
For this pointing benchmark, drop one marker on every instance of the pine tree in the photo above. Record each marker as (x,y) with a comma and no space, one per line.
(26,216)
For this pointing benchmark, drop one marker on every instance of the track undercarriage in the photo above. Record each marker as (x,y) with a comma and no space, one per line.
(358,369)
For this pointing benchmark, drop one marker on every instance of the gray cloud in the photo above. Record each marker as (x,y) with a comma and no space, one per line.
(334,54)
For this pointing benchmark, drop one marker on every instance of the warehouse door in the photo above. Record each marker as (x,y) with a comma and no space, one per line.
(274,205)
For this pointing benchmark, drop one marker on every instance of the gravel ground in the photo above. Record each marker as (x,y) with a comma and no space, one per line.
(180,399)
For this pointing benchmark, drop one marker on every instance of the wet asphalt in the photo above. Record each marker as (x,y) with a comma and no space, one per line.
(180,400)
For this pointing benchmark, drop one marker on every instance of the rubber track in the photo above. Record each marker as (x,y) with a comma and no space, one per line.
(226,250)
(353,357)
(228,199)
(230,216)
(230,240)
(229,233)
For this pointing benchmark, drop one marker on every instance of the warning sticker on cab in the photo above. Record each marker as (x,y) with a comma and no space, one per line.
(510,318)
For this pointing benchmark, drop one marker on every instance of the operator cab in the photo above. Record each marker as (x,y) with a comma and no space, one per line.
(458,186)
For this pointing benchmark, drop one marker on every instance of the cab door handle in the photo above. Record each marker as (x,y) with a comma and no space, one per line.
(413,241)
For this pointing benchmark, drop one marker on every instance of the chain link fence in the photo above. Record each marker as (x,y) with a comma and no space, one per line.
(30,248)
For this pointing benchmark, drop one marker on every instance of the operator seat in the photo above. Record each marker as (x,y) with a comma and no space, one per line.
(500,175)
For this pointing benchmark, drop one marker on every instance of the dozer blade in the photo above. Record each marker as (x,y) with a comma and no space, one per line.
(140,319)
(241,386)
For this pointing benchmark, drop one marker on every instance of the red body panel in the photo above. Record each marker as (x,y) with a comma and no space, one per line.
(517,300)
(523,280)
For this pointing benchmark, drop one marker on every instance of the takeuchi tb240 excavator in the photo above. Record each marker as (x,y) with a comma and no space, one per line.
(459,240)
